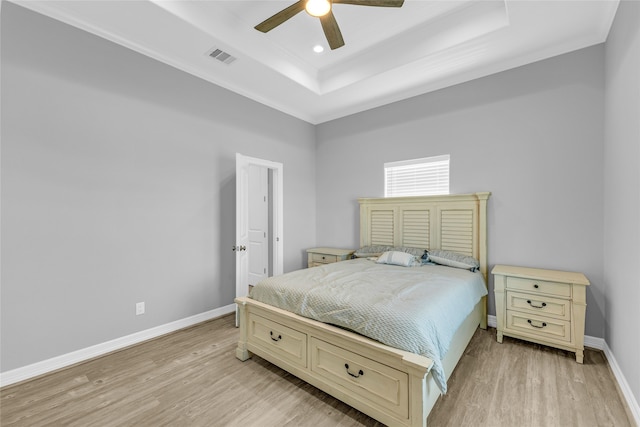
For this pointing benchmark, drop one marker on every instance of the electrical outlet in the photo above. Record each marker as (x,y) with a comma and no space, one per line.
(139,308)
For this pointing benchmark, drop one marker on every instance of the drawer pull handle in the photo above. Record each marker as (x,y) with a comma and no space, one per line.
(536,326)
(278,338)
(544,304)
(535,285)
(360,373)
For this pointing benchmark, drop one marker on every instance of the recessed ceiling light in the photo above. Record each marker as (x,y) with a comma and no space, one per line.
(318,49)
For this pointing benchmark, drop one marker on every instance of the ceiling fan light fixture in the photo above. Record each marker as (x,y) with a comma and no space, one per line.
(321,9)
(318,8)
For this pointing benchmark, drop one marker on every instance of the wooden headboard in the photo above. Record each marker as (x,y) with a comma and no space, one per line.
(455,222)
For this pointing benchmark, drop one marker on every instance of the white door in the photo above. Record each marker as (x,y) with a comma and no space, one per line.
(258,247)
(242,246)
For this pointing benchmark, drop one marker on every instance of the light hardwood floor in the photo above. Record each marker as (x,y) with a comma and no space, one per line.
(192,378)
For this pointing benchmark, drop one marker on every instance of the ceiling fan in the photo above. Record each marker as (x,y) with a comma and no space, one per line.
(321,9)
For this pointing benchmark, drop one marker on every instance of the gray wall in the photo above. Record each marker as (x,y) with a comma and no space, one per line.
(118,186)
(622,192)
(533,136)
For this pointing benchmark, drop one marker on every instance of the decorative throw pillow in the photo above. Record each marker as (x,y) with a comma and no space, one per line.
(413,251)
(398,258)
(454,259)
(377,250)
(369,251)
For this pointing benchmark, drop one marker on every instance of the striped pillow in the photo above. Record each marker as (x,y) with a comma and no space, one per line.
(454,259)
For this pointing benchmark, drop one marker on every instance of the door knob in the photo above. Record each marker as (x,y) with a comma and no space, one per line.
(239,248)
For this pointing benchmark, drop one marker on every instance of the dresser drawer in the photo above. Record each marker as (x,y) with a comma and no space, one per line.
(539,286)
(539,305)
(538,326)
(374,383)
(323,258)
(287,343)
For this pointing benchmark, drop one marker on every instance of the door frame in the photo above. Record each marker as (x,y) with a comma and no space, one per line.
(242,217)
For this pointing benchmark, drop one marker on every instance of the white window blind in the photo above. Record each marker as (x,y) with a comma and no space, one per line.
(417,177)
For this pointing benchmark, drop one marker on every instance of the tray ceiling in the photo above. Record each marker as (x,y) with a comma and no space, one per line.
(390,53)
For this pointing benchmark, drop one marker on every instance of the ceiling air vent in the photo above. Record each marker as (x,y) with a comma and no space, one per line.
(222,56)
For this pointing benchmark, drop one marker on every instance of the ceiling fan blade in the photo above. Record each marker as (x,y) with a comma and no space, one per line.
(331,30)
(379,3)
(280,17)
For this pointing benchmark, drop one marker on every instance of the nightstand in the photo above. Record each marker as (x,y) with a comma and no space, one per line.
(543,306)
(320,256)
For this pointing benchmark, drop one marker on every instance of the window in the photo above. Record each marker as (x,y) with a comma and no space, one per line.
(418,177)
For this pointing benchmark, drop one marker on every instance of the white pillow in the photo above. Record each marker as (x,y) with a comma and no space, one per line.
(398,258)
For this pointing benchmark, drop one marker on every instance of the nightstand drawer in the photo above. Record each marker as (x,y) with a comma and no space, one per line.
(539,305)
(539,286)
(323,258)
(540,326)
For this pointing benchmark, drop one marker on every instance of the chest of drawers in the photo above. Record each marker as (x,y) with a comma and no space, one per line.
(543,306)
(319,256)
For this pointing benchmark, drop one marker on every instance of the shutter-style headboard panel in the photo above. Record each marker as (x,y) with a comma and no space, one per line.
(455,223)
(382,222)
(416,228)
(456,233)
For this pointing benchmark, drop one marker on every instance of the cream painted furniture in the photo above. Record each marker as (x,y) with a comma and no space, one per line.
(543,306)
(320,256)
(393,386)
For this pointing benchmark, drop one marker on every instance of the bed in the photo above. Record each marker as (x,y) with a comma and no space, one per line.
(392,385)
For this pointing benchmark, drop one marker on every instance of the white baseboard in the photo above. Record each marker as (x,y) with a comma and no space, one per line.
(59,362)
(623,384)
(601,344)
(593,342)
